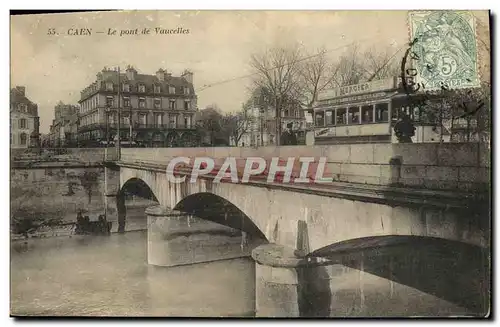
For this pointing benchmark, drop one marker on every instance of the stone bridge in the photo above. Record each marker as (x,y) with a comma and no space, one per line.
(386,201)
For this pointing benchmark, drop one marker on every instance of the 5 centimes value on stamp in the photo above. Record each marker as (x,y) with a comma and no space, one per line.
(446,48)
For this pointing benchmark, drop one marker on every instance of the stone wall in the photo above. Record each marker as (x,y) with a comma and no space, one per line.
(55,193)
(464,166)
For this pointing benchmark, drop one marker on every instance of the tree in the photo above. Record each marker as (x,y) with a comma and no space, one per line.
(349,69)
(236,124)
(277,70)
(209,122)
(314,76)
(380,64)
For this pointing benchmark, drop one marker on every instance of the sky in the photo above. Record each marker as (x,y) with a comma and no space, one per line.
(217,48)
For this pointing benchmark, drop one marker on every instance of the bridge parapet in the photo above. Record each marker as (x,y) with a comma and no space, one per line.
(464,166)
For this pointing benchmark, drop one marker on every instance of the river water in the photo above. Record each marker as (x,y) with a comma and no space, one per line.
(109,276)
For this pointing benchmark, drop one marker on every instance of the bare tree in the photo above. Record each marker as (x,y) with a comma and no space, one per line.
(349,69)
(237,124)
(278,71)
(380,64)
(315,76)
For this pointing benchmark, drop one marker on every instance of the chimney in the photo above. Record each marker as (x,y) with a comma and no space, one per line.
(188,76)
(160,74)
(21,90)
(131,73)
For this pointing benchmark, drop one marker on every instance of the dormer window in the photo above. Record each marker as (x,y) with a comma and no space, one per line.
(186,90)
(142,88)
(126,88)
(157,89)
(171,89)
(109,86)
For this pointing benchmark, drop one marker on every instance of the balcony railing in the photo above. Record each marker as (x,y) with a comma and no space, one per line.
(134,126)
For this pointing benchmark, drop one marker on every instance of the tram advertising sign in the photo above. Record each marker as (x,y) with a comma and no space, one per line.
(368,87)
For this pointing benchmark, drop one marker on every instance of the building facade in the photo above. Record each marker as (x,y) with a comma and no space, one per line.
(261,129)
(24,120)
(64,129)
(156,110)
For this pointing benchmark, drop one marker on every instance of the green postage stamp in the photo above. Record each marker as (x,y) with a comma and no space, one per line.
(445,50)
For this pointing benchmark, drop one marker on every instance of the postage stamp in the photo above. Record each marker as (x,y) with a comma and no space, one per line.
(446,48)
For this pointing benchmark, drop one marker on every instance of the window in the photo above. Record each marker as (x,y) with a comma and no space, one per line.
(159,119)
(142,119)
(111,117)
(173,121)
(109,102)
(24,138)
(23,108)
(126,87)
(354,115)
(142,103)
(329,118)
(109,86)
(22,123)
(382,112)
(340,116)
(142,88)
(187,104)
(320,121)
(157,103)
(126,102)
(171,89)
(126,119)
(367,114)
(171,104)
(416,114)
(186,90)
(187,122)
(157,89)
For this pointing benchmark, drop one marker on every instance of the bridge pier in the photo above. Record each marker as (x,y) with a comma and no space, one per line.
(289,286)
(176,238)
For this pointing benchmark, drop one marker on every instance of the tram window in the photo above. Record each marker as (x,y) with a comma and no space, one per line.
(354,115)
(320,119)
(416,114)
(395,113)
(381,112)
(329,118)
(340,116)
(367,114)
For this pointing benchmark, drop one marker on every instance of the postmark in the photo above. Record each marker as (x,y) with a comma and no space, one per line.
(446,48)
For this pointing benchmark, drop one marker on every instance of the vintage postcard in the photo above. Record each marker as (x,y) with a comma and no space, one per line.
(250,164)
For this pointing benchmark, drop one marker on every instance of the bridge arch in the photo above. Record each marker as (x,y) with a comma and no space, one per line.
(215,208)
(452,270)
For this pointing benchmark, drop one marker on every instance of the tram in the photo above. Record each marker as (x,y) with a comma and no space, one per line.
(366,113)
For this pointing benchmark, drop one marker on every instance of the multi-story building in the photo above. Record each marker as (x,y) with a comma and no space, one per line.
(156,110)
(24,120)
(64,129)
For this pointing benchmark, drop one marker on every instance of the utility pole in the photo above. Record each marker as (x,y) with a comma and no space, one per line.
(118,145)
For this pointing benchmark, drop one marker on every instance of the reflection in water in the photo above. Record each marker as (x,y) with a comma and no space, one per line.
(314,294)
(109,276)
